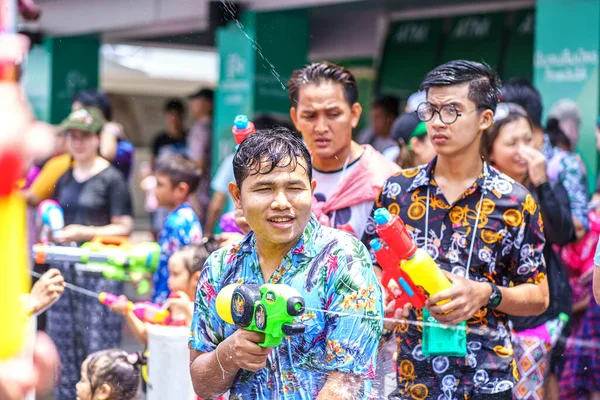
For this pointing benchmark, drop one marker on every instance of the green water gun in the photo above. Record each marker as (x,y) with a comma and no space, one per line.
(115,257)
(269,309)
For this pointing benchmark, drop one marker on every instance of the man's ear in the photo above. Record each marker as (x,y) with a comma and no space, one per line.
(313,185)
(104,391)
(486,120)
(356,111)
(236,195)
(294,117)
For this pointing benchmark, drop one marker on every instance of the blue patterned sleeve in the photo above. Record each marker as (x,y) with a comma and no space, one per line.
(572,176)
(207,329)
(352,290)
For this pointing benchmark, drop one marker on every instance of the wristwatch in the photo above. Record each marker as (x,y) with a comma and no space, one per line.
(495,297)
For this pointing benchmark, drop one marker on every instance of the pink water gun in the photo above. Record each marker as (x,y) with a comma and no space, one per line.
(146,311)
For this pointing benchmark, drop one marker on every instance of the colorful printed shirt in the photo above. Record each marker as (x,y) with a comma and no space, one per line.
(566,168)
(332,270)
(507,251)
(181,228)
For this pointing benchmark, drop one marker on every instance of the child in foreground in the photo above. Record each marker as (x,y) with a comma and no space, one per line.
(110,375)
(184,269)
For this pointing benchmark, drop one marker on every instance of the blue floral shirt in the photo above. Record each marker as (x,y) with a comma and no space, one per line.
(566,168)
(332,270)
(181,228)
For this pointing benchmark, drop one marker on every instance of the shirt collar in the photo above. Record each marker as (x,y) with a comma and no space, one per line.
(303,247)
(424,177)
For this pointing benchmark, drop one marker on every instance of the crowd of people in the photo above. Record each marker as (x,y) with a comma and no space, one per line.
(496,197)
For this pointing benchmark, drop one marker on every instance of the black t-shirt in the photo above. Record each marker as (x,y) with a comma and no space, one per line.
(95,201)
(163,143)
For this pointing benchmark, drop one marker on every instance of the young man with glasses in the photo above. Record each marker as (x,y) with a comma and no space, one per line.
(483,230)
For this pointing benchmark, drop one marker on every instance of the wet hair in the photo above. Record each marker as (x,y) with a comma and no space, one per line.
(95,98)
(277,147)
(179,169)
(523,93)
(505,113)
(174,105)
(389,104)
(556,135)
(484,83)
(195,255)
(120,370)
(319,72)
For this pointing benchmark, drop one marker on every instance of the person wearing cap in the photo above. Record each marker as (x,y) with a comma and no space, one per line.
(417,150)
(113,144)
(96,202)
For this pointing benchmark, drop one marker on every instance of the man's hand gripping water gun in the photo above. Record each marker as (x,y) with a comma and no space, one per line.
(269,309)
(411,268)
(421,278)
(114,257)
(403,291)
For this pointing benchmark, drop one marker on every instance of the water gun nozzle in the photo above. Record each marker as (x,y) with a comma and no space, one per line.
(382,216)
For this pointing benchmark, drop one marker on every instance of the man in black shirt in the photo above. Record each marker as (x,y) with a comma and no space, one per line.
(173,139)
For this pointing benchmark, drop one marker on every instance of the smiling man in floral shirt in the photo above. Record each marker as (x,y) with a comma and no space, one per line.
(335,357)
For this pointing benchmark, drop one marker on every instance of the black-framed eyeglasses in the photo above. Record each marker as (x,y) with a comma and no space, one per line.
(448,113)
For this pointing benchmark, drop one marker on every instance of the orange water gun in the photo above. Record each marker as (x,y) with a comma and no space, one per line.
(14,275)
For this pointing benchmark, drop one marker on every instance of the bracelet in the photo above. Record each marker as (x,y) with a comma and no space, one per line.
(220,365)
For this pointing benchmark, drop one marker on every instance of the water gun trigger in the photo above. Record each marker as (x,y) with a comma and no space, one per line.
(293,329)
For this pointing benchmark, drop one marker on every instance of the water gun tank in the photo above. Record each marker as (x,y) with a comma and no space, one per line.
(242,128)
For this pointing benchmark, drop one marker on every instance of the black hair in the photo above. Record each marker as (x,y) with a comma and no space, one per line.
(389,104)
(175,105)
(270,121)
(120,370)
(277,147)
(316,73)
(557,136)
(523,93)
(179,169)
(484,83)
(95,98)
(205,94)
(195,255)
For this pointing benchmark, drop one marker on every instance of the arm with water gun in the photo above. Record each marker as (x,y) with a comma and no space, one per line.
(136,314)
(413,269)
(420,277)
(115,258)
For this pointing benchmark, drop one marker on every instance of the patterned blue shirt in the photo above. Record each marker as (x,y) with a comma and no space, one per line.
(566,168)
(180,229)
(332,271)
